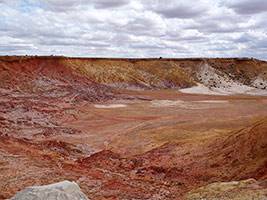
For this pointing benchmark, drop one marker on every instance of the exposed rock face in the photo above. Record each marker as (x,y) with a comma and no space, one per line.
(64,190)
(93,79)
(236,190)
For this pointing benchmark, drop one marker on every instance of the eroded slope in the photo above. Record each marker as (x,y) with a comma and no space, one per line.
(76,119)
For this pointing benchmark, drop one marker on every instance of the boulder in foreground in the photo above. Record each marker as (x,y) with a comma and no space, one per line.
(64,190)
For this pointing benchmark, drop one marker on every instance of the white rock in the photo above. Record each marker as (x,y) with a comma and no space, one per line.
(64,190)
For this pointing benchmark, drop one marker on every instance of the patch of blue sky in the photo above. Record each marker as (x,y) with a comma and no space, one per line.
(28,6)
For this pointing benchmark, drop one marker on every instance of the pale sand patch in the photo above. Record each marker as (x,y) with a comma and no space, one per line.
(213,101)
(110,106)
(257,92)
(166,103)
(234,89)
(206,104)
(188,104)
(200,89)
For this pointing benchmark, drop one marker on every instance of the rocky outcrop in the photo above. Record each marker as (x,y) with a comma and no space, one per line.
(64,190)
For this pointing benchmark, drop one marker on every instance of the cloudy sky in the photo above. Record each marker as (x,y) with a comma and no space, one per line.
(134,28)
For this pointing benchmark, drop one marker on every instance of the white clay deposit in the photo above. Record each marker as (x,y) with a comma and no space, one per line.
(200,89)
(215,83)
(110,106)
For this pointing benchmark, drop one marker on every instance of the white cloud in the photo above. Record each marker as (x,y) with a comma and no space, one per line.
(134,28)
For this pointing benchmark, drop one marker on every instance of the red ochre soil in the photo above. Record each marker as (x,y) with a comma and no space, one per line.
(50,130)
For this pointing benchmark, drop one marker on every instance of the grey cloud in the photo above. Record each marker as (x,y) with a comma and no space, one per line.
(192,38)
(66,5)
(103,4)
(213,27)
(121,39)
(145,46)
(8,1)
(244,38)
(219,24)
(143,26)
(174,37)
(177,8)
(259,44)
(222,47)
(248,6)
(61,5)
(66,42)
(6,48)
(181,11)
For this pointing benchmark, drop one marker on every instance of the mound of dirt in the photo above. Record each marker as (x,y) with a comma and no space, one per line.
(47,77)
(243,151)
(236,190)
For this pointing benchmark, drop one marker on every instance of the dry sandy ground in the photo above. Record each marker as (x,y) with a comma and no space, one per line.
(153,147)
(134,127)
